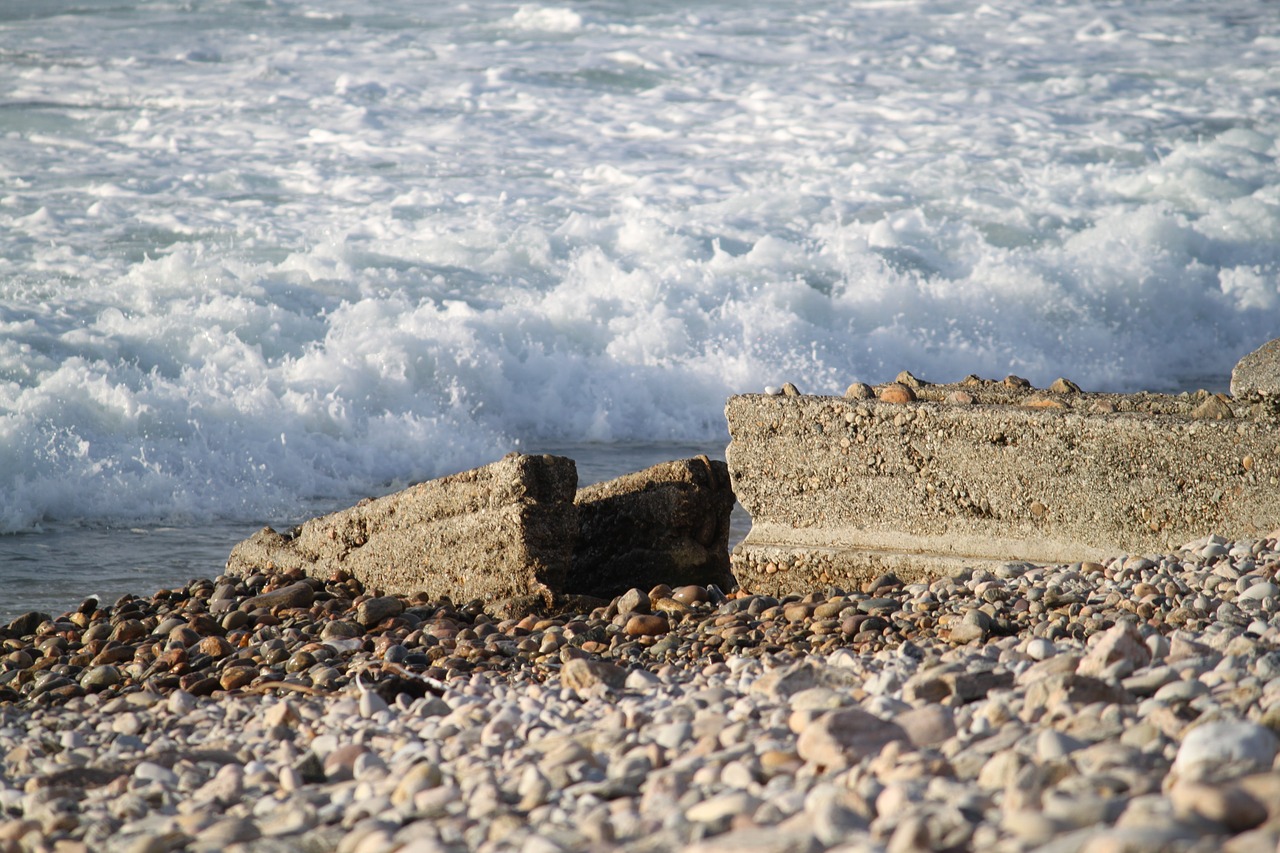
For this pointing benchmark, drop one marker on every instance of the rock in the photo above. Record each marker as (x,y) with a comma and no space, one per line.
(1243,746)
(1057,690)
(1064,386)
(896,392)
(786,681)
(667,524)
(26,624)
(1117,653)
(299,594)
(100,678)
(371,611)
(842,738)
(1231,806)
(586,676)
(719,809)
(1258,372)
(502,531)
(859,391)
(1214,408)
(633,601)
(645,624)
(927,725)
(841,490)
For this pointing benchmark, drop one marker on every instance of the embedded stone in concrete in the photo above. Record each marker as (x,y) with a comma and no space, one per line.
(503,531)
(841,490)
(667,524)
(1258,372)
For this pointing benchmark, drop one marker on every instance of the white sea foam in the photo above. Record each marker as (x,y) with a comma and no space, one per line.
(257,254)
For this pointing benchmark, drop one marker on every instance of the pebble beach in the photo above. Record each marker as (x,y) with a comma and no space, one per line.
(1127,705)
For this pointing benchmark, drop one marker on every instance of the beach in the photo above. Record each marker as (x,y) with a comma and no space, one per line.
(1131,704)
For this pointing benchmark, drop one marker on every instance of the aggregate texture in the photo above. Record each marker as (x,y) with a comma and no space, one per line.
(666,524)
(1258,372)
(502,532)
(841,489)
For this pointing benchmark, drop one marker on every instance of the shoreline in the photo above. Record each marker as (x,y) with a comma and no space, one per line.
(1130,704)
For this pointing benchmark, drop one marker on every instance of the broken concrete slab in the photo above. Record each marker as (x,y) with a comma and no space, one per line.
(503,531)
(841,490)
(667,524)
(1258,372)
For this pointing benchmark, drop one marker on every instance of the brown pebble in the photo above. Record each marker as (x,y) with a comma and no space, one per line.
(299,594)
(960,398)
(789,390)
(128,630)
(1013,381)
(691,594)
(641,625)
(237,677)
(215,647)
(897,393)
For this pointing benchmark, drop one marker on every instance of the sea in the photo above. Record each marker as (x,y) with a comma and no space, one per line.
(262,258)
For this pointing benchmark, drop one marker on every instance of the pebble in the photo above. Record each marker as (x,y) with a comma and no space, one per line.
(1130,703)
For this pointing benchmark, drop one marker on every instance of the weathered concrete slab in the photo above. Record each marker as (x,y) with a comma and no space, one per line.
(840,490)
(503,531)
(667,524)
(1258,372)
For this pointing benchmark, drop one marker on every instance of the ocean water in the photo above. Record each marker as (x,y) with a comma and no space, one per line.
(259,258)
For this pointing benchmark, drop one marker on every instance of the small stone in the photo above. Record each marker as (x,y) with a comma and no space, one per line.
(371,611)
(908,379)
(720,809)
(339,765)
(859,391)
(1236,742)
(634,601)
(927,725)
(100,678)
(642,625)
(1117,653)
(371,704)
(282,713)
(181,702)
(897,393)
(691,594)
(299,594)
(965,632)
(1064,386)
(585,676)
(420,777)
(1234,808)
(1214,408)
(959,398)
(790,390)
(226,786)
(1016,382)
(842,738)
(237,677)
(1040,649)
(215,647)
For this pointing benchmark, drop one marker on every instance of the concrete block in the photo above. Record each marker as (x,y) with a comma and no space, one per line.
(667,524)
(841,490)
(1258,372)
(503,531)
